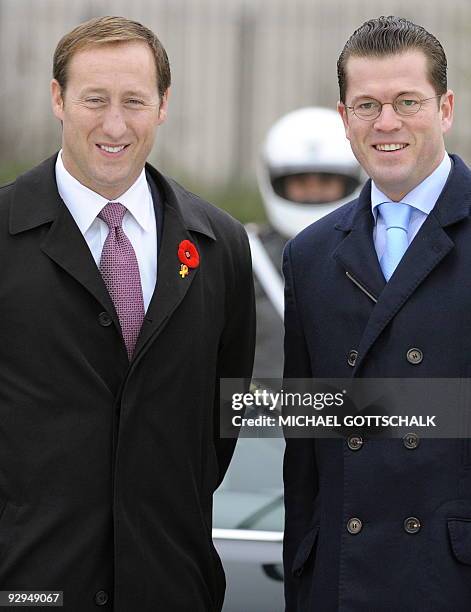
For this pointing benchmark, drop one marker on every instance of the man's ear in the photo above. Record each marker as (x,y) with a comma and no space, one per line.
(447,104)
(343,112)
(57,100)
(163,108)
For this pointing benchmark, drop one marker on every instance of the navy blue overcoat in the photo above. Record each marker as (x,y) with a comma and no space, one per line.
(343,320)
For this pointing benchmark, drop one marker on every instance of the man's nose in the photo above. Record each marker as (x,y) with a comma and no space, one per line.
(388,119)
(114,124)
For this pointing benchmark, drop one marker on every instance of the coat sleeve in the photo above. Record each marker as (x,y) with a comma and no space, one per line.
(237,344)
(299,468)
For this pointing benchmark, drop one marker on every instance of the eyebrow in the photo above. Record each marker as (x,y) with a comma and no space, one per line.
(100,91)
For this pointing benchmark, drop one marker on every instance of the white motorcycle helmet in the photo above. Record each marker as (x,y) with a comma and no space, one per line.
(307,169)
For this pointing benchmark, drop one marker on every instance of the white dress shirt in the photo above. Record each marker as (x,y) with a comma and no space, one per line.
(421,199)
(139,223)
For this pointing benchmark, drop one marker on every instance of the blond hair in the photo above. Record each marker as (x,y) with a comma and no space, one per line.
(106,30)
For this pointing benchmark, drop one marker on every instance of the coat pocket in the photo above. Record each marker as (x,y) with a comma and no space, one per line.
(305,551)
(459,530)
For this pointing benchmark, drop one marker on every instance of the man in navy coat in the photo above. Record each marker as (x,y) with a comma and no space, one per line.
(373,524)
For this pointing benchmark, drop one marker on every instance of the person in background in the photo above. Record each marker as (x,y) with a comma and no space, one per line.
(306,170)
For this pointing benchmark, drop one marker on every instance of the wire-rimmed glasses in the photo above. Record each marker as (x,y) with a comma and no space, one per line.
(369,109)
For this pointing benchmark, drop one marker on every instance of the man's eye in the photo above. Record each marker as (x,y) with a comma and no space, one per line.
(134,102)
(367,105)
(407,103)
(94,101)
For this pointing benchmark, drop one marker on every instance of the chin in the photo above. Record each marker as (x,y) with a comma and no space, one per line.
(110,180)
(391,175)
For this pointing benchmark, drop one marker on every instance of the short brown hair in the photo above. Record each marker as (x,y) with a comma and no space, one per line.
(391,35)
(103,30)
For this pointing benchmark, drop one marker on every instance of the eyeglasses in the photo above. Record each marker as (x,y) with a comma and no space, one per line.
(369,109)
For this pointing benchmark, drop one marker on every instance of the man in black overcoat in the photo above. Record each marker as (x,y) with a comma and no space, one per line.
(124,300)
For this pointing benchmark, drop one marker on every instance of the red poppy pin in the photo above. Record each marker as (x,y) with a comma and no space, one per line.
(189,257)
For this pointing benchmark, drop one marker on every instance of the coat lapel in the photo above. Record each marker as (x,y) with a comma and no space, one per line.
(424,254)
(65,245)
(36,202)
(180,222)
(356,253)
(171,287)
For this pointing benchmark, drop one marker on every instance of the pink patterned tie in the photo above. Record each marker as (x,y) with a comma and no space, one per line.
(120,272)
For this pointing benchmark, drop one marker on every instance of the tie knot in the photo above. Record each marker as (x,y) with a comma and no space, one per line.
(112,214)
(395,214)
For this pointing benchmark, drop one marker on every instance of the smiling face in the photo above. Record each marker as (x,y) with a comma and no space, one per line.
(396,170)
(110,111)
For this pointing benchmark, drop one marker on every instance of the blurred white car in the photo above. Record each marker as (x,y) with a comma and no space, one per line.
(248,526)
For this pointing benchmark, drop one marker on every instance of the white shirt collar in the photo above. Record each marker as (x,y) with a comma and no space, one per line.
(424,196)
(85,204)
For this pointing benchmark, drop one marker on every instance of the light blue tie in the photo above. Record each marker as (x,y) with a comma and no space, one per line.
(396,217)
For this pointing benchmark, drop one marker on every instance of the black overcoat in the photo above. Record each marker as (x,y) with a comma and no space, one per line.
(107,469)
(334,328)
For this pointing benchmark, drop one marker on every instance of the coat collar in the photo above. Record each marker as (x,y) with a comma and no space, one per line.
(183,202)
(457,190)
(36,201)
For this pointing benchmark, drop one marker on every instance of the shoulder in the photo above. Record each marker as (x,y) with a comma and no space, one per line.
(222,238)
(6,197)
(195,206)
(6,192)
(38,181)
(220,220)
(198,214)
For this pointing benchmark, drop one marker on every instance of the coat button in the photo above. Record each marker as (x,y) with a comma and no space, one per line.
(414,356)
(355,442)
(354,526)
(104,319)
(101,598)
(352,358)
(411,441)
(412,525)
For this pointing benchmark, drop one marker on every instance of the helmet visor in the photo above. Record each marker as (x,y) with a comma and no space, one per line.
(314,187)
